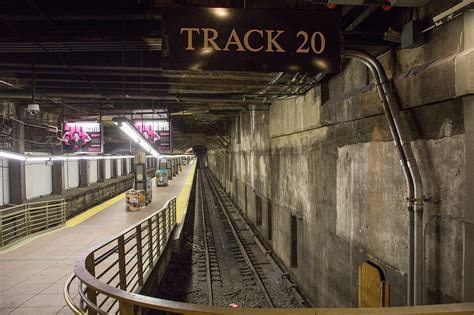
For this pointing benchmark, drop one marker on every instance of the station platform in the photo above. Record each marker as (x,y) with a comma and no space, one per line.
(33,272)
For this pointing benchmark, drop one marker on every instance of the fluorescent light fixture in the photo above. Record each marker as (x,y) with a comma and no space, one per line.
(12,156)
(127,127)
(7,83)
(38,158)
(45,158)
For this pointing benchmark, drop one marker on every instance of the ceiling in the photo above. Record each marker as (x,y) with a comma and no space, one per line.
(94,58)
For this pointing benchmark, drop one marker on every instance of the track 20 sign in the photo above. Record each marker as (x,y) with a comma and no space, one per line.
(253,40)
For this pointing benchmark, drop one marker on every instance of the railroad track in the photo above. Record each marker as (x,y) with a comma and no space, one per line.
(210,252)
(233,268)
(222,261)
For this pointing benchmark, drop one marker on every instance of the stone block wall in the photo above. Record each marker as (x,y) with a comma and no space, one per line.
(332,167)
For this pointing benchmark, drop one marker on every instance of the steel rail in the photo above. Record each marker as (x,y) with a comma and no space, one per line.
(268,254)
(246,256)
(206,245)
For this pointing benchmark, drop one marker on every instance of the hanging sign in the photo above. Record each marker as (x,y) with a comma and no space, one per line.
(82,137)
(251,40)
(157,132)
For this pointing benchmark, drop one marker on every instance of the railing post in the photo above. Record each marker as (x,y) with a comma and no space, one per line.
(121,262)
(63,208)
(163,230)
(27,221)
(1,229)
(139,255)
(91,294)
(125,308)
(150,244)
(47,215)
(174,209)
(161,226)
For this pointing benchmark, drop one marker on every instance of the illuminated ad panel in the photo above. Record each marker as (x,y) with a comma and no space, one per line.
(82,137)
(157,132)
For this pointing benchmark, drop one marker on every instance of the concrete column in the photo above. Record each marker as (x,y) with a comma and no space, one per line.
(465,87)
(124,167)
(100,171)
(169,168)
(17,168)
(469,209)
(83,173)
(114,164)
(58,185)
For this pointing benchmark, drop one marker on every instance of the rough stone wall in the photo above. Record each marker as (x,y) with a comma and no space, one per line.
(333,166)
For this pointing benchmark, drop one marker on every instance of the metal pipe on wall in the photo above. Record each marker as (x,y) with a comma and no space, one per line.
(411,172)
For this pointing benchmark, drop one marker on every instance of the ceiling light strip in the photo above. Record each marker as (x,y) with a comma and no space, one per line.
(127,127)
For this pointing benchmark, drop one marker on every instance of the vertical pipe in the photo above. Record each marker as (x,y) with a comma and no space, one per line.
(33,83)
(417,184)
(411,173)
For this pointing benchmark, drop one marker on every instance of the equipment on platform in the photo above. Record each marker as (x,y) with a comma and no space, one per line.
(141,195)
(135,200)
(162,173)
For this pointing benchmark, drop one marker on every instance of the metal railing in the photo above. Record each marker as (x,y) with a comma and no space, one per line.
(20,221)
(111,275)
(119,267)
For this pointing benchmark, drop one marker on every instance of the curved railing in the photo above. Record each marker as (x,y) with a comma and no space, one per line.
(110,276)
(20,221)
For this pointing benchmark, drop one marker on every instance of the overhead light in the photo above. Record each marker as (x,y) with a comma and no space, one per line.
(65,157)
(154,43)
(12,156)
(220,12)
(127,127)
(392,35)
(7,83)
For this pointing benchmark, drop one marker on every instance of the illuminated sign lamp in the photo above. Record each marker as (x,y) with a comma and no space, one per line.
(127,127)
(48,158)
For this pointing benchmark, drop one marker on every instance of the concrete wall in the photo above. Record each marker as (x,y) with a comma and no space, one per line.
(129,166)
(38,179)
(332,166)
(93,171)
(108,169)
(119,168)
(70,174)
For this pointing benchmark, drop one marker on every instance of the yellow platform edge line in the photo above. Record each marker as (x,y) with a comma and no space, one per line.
(93,211)
(183,197)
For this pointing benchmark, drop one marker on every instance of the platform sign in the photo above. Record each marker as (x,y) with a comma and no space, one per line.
(251,40)
(82,137)
(157,132)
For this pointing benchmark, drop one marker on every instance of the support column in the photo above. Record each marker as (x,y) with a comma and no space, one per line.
(465,88)
(57,170)
(469,210)
(114,163)
(173,166)
(83,173)
(124,167)
(101,171)
(17,168)
(169,168)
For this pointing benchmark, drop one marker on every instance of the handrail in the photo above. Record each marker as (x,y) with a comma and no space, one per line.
(109,292)
(18,222)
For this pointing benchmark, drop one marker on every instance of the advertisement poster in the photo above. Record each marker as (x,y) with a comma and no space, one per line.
(82,137)
(157,132)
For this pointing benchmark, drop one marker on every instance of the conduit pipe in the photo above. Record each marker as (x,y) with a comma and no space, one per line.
(415,198)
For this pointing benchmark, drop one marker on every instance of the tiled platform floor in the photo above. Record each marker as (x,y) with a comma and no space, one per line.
(32,275)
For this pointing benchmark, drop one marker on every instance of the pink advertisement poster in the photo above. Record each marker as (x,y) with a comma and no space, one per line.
(82,137)
(157,132)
